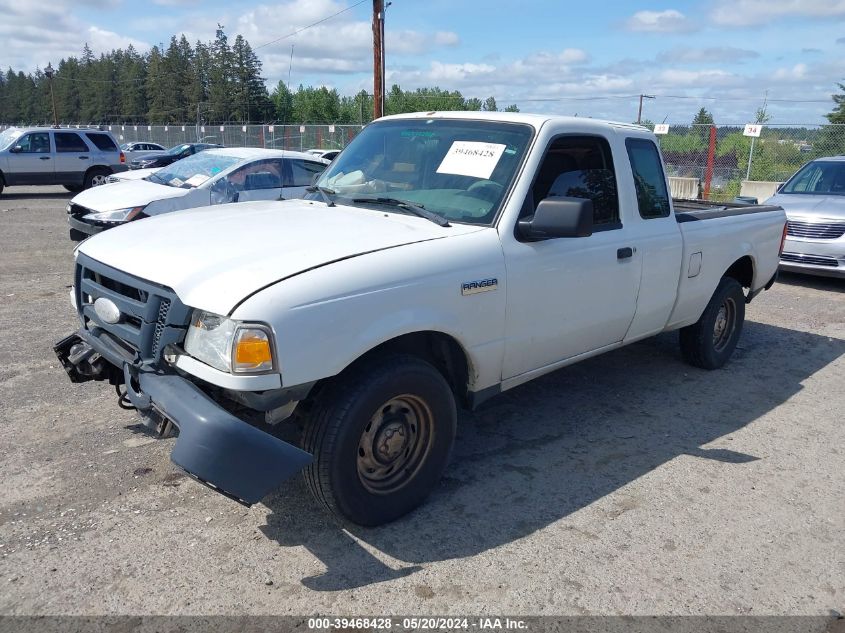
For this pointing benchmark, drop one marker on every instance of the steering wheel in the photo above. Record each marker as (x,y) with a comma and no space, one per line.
(489,190)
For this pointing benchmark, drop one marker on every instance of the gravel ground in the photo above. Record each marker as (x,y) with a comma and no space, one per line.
(628,484)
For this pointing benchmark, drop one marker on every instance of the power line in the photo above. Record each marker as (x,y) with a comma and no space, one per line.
(284,37)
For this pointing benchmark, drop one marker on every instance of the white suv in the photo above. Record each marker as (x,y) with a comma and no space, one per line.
(74,158)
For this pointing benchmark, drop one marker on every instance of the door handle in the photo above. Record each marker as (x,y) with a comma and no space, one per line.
(83,158)
(624,253)
(43,158)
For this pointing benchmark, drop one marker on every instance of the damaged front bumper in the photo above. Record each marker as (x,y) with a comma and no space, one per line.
(217,448)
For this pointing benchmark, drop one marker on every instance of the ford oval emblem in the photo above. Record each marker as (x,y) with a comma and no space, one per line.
(107,310)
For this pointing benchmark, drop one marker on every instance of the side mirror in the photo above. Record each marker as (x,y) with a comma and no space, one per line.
(559,217)
(17,149)
(780,186)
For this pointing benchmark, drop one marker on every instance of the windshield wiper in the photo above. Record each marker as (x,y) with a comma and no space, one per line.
(415,209)
(324,192)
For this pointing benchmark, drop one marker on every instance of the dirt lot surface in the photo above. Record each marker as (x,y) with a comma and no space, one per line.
(627,484)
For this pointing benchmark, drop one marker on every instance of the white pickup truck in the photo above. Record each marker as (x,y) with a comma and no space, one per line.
(442,258)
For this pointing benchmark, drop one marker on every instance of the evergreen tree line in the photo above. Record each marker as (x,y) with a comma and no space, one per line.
(215,82)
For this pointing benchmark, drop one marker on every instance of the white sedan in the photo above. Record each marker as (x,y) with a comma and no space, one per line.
(217,176)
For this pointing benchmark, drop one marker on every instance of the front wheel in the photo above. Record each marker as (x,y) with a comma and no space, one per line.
(710,341)
(381,437)
(73,188)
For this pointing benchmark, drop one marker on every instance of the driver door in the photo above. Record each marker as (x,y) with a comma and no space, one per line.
(34,163)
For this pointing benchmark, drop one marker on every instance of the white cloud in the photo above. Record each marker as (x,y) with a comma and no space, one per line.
(798,71)
(709,55)
(668,21)
(27,44)
(698,78)
(752,12)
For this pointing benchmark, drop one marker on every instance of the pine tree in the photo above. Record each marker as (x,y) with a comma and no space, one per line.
(220,77)
(490,104)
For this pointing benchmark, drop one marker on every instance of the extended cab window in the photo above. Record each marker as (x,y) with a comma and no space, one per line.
(70,142)
(578,167)
(652,196)
(102,142)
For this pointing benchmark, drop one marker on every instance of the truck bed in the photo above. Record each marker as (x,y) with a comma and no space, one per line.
(695,210)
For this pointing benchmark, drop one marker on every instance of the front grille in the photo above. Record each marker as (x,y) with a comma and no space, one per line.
(151,315)
(813,260)
(815,230)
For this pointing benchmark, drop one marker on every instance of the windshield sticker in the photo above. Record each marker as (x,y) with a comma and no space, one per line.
(176,182)
(196,180)
(471,158)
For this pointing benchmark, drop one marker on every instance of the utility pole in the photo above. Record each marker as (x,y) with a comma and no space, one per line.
(49,73)
(378,58)
(640,111)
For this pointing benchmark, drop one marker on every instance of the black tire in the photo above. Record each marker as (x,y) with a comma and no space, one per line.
(2,184)
(401,407)
(73,188)
(710,341)
(77,236)
(94,176)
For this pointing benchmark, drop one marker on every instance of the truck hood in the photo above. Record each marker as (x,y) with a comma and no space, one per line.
(810,207)
(126,194)
(213,258)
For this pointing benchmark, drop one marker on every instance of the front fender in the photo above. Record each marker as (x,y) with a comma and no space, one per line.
(327,318)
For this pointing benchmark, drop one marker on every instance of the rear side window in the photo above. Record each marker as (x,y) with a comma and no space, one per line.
(69,142)
(652,196)
(303,171)
(103,142)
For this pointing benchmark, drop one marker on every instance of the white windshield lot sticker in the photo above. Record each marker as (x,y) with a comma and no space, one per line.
(471,158)
(196,180)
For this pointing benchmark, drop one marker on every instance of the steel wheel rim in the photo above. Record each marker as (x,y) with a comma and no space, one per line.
(724,324)
(98,180)
(395,444)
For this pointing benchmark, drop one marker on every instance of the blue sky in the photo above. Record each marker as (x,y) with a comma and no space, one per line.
(566,57)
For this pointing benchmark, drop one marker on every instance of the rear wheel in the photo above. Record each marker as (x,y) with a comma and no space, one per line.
(2,184)
(381,437)
(96,177)
(710,341)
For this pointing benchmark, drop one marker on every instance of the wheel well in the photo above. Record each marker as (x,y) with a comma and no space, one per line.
(742,270)
(441,350)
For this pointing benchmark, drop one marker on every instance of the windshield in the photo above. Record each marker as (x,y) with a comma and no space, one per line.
(455,168)
(7,137)
(178,149)
(194,170)
(818,178)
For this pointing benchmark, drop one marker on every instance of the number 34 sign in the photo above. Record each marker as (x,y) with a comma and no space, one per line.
(752,129)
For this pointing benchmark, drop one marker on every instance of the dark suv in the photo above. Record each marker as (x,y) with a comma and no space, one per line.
(74,158)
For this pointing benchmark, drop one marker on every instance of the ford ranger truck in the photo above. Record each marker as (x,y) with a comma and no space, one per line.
(441,259)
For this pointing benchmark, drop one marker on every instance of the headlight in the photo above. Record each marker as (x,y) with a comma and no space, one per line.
(118,215)
(229,345)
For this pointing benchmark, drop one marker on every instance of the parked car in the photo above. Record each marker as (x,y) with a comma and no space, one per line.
(814,201)
(328,154)
(442,258)
(75,158)
(141,148)
(177,152)
(215,176)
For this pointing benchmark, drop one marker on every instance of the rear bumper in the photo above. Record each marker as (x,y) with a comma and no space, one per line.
(214,446)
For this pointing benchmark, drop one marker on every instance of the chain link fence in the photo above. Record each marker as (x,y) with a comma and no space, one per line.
(270,136)
(724,163)
(719,165)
